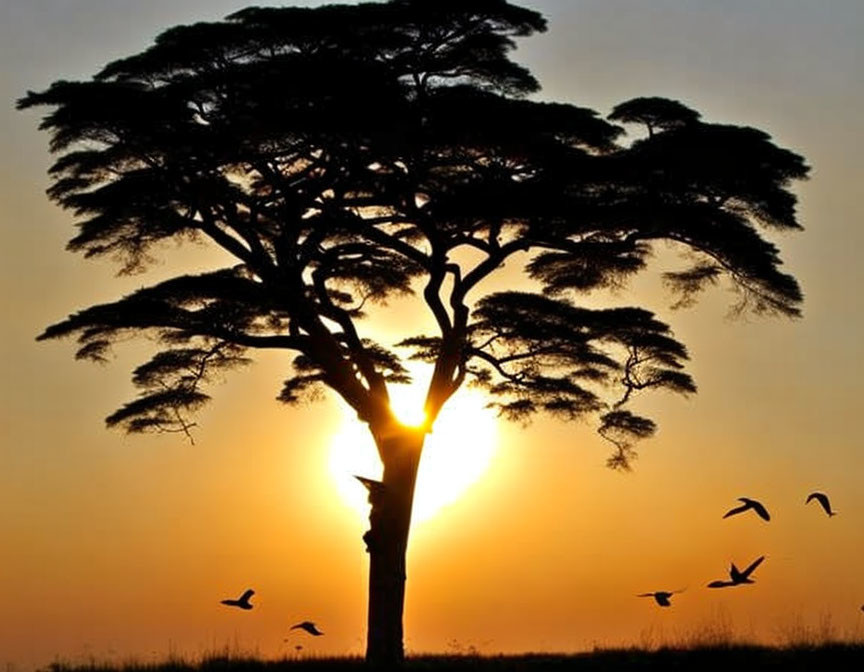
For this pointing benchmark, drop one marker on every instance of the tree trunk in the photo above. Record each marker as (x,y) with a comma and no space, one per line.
(387,541)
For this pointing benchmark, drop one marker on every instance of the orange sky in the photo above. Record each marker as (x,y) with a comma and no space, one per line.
(120,547)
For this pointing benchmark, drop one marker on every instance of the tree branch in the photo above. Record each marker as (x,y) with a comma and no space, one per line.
(365,365)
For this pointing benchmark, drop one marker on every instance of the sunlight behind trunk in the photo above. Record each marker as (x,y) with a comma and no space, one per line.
(457,452)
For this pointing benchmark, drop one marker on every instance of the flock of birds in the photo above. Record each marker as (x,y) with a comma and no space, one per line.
(244,602)
(738,577)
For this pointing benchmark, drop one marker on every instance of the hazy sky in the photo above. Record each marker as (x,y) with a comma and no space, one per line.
(116,546)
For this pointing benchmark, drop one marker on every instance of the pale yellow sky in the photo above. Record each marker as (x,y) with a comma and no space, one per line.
(117,546)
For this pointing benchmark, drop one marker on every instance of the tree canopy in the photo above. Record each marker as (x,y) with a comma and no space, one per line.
(341,155)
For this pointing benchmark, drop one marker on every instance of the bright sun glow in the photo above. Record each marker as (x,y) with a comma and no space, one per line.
(457,452)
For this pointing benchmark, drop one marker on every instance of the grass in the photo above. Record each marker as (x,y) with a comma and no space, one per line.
(726,657)
(712,644)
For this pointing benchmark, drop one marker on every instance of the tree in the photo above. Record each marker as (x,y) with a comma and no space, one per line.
(340,156)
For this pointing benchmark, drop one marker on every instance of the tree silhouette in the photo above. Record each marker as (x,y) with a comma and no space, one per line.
(340,156)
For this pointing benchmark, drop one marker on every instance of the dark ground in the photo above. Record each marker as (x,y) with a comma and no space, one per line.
(707,659)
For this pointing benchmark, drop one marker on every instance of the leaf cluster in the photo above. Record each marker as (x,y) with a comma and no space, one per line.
(348,154)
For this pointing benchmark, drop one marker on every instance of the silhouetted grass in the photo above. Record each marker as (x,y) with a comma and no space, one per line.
(728,657)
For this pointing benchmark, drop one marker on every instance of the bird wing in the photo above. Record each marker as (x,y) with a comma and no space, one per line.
(753,565)
(720,584)
(822,498)
(369,483)
(737,509)
(245,596)
(761,510)
(645,595)
(230,603)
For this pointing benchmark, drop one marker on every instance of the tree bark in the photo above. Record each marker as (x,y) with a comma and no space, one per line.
(387,540)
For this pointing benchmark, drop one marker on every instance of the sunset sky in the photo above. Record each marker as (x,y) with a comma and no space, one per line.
(121,547)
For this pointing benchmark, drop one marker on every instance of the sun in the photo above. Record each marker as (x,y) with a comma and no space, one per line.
(457,452)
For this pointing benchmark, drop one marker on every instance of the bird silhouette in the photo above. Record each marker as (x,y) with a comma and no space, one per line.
(822,498)
(662,596)
(737,577)
(760,510)
(309,627)
(375,488)
(242,602)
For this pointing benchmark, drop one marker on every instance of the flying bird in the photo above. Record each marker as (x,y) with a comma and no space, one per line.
(737,577)
(375,488)
(242,602)
(662,596)
(309,627)
(822,498)
(760,510)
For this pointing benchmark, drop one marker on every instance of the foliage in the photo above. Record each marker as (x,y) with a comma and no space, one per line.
(344,155)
